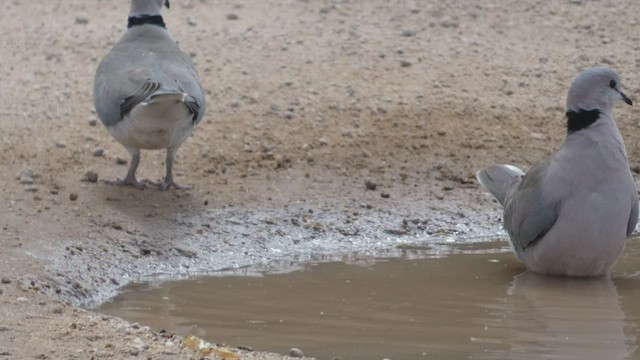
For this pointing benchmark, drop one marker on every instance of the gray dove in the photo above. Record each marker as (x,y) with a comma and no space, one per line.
(147,92)
(572,212)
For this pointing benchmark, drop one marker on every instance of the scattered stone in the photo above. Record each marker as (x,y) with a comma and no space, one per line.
(90,176)
(138,346)
(245,348)
(22,299)
(121,161)
(537,136)
(93,121)
(4,328)
(5,280)
(232,16)
(323,142)
(57,311)
(31,188)
(192,21)
(397,232)
(296,353)
(116,226)
(370,185)
(54,191)
(385,195)
(405,63)
(288,114)
(448,23)
(25,176)
(60,144)
(409,32)
(81,20)
(73,196)
(97,151)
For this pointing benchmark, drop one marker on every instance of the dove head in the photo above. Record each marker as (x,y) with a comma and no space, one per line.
(147,7)
(596,88)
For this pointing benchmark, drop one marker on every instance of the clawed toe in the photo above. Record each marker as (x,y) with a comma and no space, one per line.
(120,181)
(166,184)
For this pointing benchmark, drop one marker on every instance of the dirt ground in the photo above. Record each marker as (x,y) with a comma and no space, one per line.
(311,105)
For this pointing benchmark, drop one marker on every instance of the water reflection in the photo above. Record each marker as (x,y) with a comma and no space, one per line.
(546,317)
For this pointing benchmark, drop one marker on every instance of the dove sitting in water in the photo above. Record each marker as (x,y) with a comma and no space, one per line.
(572,212)
(147,92)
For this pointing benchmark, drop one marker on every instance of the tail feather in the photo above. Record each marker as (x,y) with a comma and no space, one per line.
(498,179)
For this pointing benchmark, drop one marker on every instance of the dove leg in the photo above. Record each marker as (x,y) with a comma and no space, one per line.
(130,179)
(168,179)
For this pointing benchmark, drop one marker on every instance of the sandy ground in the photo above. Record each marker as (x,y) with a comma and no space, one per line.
(307,101)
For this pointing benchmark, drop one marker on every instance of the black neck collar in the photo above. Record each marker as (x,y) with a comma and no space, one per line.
(146,19)
(581,119)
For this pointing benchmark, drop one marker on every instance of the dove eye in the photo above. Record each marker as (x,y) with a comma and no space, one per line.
(613,84)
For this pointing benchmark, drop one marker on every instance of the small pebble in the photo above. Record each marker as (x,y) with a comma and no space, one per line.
(296,353)
(90,176)
(232,16)
(409,32)
(31,188)
(57,311)
(370,185)
(5,280)
(138,346)
(121,161)
(385,195)
(73,196)
(97,151)
(22,299)
(81,20)
(60,144)
(93,121)
(25,176)
(405,63)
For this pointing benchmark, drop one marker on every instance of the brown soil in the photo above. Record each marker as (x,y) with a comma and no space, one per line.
(307,101)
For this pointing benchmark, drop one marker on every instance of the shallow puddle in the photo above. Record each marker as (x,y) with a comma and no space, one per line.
(475,303)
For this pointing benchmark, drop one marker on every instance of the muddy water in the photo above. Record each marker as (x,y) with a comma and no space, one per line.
(476,303)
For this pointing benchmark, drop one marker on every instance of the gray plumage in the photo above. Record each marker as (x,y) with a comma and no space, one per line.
(571,213)
(147,92)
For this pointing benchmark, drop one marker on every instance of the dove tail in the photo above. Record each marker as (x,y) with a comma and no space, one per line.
(498,179)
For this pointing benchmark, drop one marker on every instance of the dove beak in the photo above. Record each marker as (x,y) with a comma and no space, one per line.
(626,99)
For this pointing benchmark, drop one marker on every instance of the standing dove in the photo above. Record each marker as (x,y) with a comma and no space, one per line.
(147,92)
(572,212)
